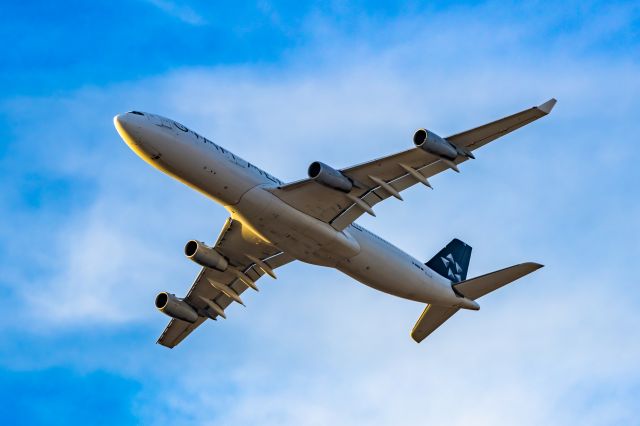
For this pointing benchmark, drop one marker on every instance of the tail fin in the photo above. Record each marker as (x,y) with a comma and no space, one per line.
(452,262)
(434,316)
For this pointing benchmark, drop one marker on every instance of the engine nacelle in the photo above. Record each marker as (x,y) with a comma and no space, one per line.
(170,305)
(434,144)
(329,177)
(205,256)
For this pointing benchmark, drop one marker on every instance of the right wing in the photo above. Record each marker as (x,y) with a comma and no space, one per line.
(238,244)
(381,178)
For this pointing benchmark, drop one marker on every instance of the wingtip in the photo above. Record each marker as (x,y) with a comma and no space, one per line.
(158,342)
(547,106)
(534,265)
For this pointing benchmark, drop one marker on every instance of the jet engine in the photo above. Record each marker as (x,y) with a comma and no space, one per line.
(329,177)
(170,305)
(205,256)
(434,144)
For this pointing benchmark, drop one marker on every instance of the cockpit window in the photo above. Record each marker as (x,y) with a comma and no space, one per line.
(136,112)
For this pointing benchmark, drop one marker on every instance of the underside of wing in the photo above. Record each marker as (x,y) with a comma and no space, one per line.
(479,136)
(249,258)
(379,179)
(432,317)
(177,330)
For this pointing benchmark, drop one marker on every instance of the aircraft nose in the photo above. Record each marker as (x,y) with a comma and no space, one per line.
(129,124)
(128,120)
(134,130)
(127,129)
(122,123)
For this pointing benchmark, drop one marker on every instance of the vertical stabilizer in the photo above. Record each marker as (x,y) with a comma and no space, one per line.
(452,262)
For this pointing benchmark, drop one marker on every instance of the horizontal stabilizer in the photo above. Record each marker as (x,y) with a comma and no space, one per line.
(484,284)
(434,316)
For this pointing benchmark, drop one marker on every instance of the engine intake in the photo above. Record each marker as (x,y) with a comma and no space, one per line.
(329,177)
(434,144)
(205,256)
(170,305)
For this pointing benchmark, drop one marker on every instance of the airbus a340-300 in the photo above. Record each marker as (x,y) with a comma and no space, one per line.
(273,223)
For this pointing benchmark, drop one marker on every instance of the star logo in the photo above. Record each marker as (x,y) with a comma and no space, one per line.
(453,269)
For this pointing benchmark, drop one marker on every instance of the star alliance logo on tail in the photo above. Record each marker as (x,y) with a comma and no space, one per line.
(453,269)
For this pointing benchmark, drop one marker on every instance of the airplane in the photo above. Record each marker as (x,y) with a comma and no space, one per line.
(273,223)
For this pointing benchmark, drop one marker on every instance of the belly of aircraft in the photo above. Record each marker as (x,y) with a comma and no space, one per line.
(386,268)
(292,231)
(355,251)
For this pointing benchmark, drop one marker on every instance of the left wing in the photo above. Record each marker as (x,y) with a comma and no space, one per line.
(379,179)
(249,258)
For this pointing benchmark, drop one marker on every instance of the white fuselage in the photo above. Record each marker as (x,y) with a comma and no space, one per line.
(241,188)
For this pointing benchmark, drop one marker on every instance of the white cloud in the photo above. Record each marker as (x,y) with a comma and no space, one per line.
(183,13)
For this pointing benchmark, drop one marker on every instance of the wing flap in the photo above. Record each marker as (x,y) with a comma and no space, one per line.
(327,204)
(378,194)
(176,331)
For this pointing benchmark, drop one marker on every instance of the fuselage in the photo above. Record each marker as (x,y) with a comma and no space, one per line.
(243,189)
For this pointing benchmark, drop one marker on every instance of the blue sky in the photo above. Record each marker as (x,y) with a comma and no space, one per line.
(90,233)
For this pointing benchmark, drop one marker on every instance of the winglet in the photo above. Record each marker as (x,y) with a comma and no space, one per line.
(547,106)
